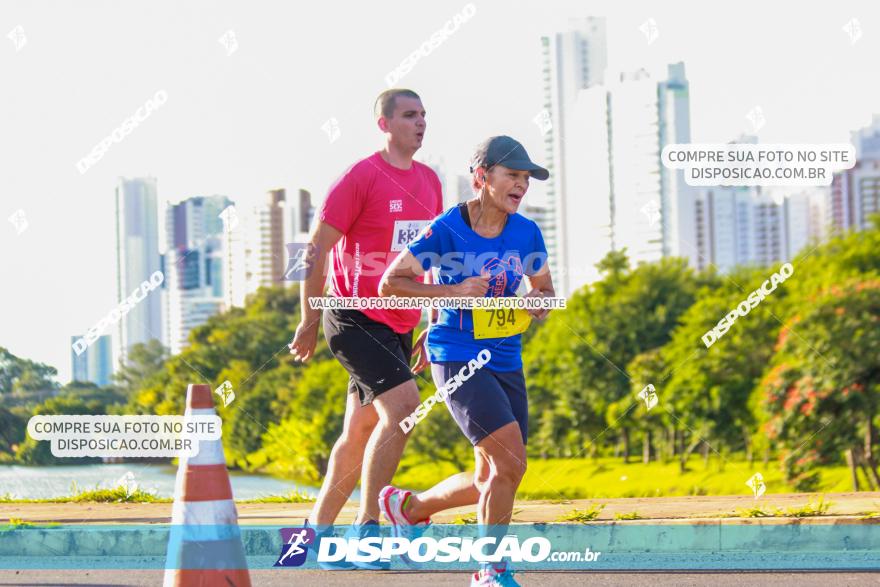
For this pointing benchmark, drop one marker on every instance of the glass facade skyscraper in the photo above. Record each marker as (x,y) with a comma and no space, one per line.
(137,258)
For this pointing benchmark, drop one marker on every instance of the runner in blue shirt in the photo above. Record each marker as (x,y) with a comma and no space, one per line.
(481,248)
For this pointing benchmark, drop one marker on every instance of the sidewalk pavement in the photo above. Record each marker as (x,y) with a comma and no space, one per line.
(847,507)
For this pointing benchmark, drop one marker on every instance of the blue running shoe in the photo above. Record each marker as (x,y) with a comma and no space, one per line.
(369,529)
(494,576)
(320,533)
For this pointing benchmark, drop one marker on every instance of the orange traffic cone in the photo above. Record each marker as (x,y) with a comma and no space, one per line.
(204,547)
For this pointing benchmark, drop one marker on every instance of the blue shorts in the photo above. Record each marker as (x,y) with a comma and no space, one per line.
(485,402)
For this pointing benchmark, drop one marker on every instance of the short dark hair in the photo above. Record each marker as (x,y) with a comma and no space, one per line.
(385,102)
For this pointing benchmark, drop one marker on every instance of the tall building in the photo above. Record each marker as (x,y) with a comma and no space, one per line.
(768,232)
(636,182)
(264,242)
(573,61)
(95,364)
(305,213)
(722,227)
(855,192)
(234,263)
(298,217)
(616,193)
(254,245)
(803,212)
(137,258)
(725,227)
(745,225)
(538,213)
(652,206)
(579,230)
(194,259)
(855,195)
(674,127)
(867,140)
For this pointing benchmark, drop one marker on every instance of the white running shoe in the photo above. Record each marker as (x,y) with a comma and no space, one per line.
(392,502)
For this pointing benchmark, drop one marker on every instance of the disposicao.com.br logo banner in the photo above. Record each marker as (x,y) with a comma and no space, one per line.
(718,545)
(453,545)
(709,545)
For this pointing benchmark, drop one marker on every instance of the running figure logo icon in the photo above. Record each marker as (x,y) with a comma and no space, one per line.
(649,395)
(756,482)
(652,211)
(296,546)
(297,262)
(19,221)
(226,393)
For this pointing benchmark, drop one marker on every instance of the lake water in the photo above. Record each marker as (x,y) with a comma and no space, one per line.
(47,482)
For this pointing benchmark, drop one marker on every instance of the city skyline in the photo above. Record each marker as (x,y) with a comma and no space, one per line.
(211,135)
(733,226)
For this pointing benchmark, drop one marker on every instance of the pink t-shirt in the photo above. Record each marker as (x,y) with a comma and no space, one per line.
(379,209)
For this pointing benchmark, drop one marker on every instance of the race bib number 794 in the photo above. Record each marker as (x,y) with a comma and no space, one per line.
(500,322)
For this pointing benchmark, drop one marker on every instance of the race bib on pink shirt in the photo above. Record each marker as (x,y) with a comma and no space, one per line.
(406,231)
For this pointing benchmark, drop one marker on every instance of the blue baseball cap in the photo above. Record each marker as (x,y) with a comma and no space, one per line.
(506,151)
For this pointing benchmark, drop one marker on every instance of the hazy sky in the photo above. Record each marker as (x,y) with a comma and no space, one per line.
(241,124)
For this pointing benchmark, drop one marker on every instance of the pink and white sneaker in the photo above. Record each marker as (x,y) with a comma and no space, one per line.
(392,502)
(494,576)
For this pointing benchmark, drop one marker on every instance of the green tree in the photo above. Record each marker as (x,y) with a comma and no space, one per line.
(19,375)
(299,445)
(12,432)
(823,390)
(259,403)
(575,363)
(707,390)
(144,362)
(253,338)
(39,452)
(630,412)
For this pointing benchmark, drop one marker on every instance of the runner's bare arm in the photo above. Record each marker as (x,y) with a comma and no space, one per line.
(400,280)
(433,313)
(540,285)
(419,352)
(323,238)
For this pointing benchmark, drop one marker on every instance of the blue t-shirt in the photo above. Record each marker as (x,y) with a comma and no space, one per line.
(456,252)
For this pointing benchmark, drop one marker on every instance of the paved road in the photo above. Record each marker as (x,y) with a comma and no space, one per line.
(286,578)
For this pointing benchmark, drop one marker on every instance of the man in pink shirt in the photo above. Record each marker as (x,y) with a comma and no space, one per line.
(370,214)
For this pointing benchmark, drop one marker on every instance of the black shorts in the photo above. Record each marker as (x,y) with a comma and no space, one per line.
(376,357)
(485,402)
